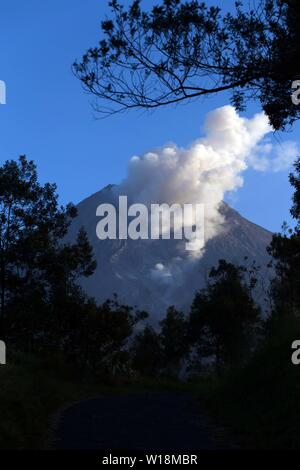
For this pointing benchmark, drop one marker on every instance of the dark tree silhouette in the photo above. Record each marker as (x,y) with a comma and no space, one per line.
(295,182)
(35,264)
(174,338)
(224,319)
(285,249)
(181,50)
(146,352)
(96,337)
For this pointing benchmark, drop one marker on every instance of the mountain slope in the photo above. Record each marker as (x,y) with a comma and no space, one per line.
(153,274)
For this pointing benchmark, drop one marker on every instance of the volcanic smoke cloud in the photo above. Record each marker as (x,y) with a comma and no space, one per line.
(208,169)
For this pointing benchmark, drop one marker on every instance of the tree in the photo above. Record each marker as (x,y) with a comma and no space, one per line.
(108,332)
(224,318)
(285,250)
(95,337)
(182,50)
(295,182)
(37,269)
(147,352)
(173,337)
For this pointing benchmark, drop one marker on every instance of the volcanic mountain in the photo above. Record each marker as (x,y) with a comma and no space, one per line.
(154,274)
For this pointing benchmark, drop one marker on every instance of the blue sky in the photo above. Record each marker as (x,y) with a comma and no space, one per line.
(49,118)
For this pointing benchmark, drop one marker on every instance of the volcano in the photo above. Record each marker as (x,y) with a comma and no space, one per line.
(154,274)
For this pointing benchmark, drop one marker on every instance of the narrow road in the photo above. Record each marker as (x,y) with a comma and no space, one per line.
(145,421)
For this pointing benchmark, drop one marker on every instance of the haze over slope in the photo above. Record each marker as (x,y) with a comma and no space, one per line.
(150,273)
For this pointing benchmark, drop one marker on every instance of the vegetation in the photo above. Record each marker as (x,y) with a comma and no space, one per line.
(224,320)
(260,401)
(64,346)
(182,50)
(37,271)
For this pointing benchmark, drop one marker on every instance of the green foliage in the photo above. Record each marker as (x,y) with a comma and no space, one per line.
(179,50)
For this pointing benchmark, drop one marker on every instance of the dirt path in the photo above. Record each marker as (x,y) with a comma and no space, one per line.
(160,421)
